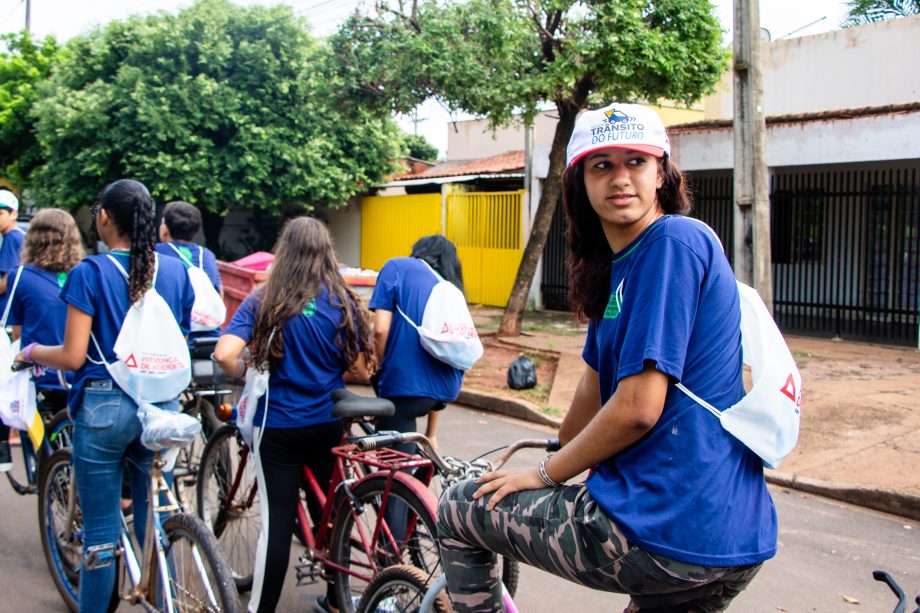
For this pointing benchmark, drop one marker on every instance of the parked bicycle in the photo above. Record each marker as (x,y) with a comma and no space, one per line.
(406,588)
(352,541)
(179,568)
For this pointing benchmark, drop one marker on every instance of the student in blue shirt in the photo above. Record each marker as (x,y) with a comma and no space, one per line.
(35,311)
(13,235)
(181,223)
(106,428)
(417,383)
(307,327)
(675,511)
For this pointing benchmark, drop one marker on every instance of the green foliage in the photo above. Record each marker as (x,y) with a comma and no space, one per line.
(495,58)
(417,146)
(23,65)
(862,12)
(219,105)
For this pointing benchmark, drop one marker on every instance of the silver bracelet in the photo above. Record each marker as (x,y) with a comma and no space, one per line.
(541,468)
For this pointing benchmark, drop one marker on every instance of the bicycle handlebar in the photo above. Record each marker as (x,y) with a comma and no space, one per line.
(19,365)
(389,439)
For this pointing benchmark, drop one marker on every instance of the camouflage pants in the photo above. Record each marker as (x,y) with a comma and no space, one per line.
(565,532)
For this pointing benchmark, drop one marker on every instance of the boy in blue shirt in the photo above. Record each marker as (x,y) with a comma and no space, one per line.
(675,511)
(13,235)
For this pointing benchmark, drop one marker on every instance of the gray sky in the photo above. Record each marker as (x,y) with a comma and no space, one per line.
(67,18)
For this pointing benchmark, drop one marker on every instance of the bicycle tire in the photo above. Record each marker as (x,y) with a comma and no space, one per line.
(197,585)
(185,471)
(349,550)
(63,559)
(400,588)
(236,522)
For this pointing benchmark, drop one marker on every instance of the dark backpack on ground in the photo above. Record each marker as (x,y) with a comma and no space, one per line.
(522,374)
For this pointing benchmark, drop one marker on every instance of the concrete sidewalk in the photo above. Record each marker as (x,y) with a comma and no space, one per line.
(860,430)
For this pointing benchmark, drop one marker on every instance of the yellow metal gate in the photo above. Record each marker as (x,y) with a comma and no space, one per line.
(487,230)
(485,227)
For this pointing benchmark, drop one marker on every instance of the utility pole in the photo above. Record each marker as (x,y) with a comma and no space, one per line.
(752,202)
(28,16)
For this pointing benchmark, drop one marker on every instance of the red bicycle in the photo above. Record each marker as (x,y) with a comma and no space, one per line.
(374,513)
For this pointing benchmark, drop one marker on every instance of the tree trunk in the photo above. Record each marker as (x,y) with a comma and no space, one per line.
(552,192)
(212,224)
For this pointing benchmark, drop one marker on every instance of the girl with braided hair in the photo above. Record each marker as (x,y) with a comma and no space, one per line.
(306,327)
(106,428)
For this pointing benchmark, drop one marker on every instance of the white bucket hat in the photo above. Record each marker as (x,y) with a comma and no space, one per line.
(625,126)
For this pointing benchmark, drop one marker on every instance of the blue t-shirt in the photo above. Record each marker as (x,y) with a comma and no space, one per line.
(196,255)
(37,307)
(407,369)
(688,490)
(98,288)
(300,387)
(10,248)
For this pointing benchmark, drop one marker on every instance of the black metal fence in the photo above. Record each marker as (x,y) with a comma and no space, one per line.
(845,249)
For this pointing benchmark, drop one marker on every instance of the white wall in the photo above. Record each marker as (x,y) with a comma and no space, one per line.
(860,139)
(871,65)
(345,227)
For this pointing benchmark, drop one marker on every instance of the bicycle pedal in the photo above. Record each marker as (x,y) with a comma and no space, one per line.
(306,572)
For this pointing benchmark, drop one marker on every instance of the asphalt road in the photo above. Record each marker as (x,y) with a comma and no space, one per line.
(826,554)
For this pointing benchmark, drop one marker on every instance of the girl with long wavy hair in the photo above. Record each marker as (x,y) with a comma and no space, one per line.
(106,428)
(35,310)
(307,328)
(675,511)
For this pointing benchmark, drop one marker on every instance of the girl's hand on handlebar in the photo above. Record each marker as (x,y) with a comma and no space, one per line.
(503,482)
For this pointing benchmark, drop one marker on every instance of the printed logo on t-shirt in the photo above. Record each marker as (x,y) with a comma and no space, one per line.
(310,309)
(187,255)
(61,279)
(615,303)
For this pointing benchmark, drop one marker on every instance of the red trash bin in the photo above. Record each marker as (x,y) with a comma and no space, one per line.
(238,281)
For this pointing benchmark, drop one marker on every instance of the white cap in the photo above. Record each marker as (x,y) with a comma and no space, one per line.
(626,126)
(8,200)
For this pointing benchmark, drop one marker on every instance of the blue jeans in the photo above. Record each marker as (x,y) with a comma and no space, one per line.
(106,434)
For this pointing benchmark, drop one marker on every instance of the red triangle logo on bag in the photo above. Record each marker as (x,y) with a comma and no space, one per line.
(789,388)
(130,362)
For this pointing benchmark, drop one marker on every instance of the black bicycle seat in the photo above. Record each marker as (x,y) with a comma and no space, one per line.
(202,348)
(349,405)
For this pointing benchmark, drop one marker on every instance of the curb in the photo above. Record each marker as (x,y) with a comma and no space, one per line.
(888,501)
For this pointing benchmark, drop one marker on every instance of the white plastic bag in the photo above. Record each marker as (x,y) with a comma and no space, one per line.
(209,310)
(163,429)
(8,349)
(153,362)
(18,408)
(255,387)
(447,332)
(766,420)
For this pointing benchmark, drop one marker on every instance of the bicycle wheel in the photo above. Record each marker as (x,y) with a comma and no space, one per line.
(353,546)
(399,589)
(228,501)
(62,539)
(199,578)
(185,472)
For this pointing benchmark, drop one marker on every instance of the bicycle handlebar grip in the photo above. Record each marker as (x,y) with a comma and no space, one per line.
(19,365)
(553,444)
(369,443)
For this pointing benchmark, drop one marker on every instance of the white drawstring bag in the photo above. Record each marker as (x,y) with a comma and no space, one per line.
(255,387)
(766,420)
(209,310)
(8,349)
(153,365)
(447,332)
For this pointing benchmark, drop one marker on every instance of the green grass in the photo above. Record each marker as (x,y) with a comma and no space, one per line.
(550,411)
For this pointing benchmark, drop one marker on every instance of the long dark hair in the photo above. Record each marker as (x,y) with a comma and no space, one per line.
(589,252)
(131,208)
(441,254)
(304,263)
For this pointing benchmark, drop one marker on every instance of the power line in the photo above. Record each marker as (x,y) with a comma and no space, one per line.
(15,8)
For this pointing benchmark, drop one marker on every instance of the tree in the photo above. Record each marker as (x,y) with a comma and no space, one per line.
(419,148)
(218,105)
(862,12)
(24,65)
(501,58)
